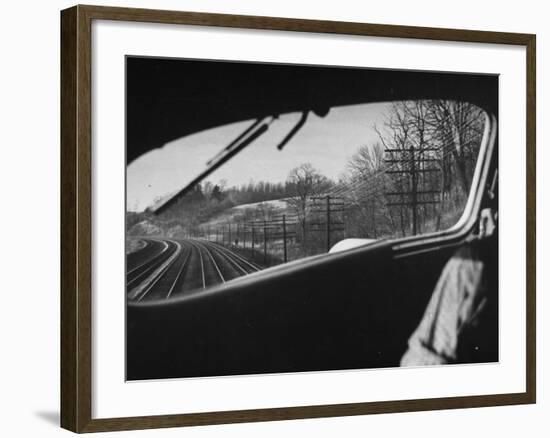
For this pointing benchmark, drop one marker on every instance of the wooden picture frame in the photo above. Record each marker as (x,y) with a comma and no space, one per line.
(76,218)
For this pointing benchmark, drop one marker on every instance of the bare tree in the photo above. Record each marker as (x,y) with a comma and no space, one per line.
(458,127)
(365,184)
(368,160)
(433,145)
(303,182)
(400,137)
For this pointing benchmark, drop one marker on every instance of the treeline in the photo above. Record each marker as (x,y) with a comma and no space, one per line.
(208,200)
(254,192)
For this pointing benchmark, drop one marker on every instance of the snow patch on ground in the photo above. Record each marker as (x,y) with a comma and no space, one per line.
(275,203)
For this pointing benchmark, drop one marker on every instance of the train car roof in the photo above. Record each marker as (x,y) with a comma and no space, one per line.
(171,98)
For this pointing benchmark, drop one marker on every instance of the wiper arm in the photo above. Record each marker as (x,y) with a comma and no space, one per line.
(234,147)
(248,136)
(294,130)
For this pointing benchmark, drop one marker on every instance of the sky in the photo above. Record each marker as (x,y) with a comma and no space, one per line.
(325,142)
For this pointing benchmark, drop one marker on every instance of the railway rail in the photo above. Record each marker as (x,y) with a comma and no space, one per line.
(170,268)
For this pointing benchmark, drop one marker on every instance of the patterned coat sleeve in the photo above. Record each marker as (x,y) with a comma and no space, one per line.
(455,311)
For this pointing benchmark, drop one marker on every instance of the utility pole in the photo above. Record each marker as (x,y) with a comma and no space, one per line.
(284,236)
(265,242)
(325,206)
(373,209)
(411,164)
(328,223)
(414,196)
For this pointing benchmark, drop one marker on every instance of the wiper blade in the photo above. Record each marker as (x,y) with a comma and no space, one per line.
(232,144)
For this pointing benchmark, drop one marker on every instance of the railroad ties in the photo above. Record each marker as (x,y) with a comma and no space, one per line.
(171,268)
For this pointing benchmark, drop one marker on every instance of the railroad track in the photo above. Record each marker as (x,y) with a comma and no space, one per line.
(148,266)
(166,269)
(150,249)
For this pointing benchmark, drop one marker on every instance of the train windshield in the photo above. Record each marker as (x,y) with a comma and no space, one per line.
(240,198)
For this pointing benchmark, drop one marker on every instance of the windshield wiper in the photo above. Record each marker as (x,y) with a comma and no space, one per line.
(232,144)
(294,130)
(250,134)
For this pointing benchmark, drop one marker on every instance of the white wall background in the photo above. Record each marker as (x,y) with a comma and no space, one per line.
(29,219)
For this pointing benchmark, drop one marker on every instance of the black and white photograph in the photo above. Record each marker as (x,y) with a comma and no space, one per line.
(285,218)
(275,219)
